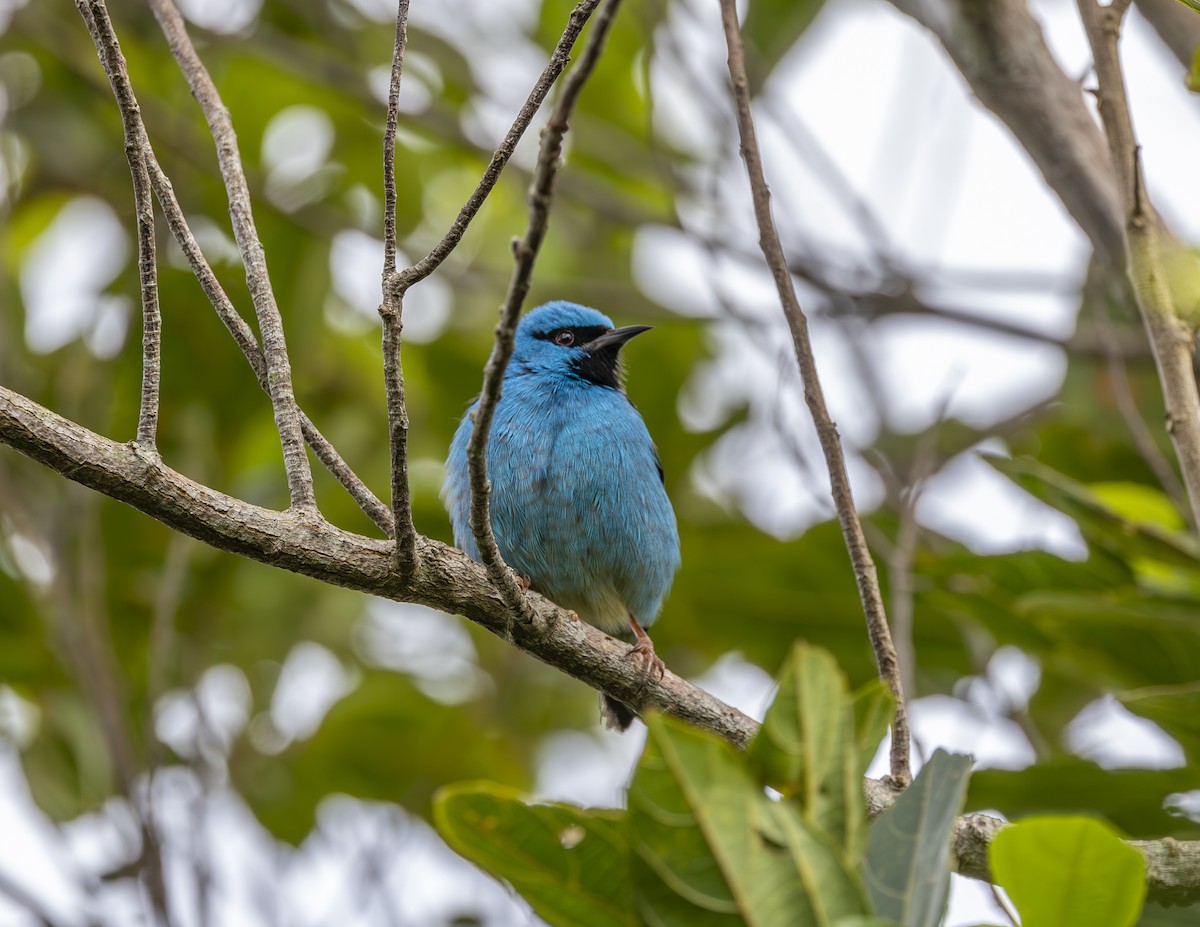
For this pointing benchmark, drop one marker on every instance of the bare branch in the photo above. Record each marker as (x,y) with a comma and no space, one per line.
(95,15)
(541,192)
(248,344)
(279,372)
(1172,338)
(554,67)
(391,313)
(860,556)
(1097,292)
(451,582)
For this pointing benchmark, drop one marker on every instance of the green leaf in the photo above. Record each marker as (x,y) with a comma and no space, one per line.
(571,865)
(1192,81)
(713,849)
(1176,709)
(907,866)
(806,747)
(1069,872)
(1139,503)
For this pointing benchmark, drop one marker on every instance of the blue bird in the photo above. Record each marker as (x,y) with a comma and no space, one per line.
(578,504)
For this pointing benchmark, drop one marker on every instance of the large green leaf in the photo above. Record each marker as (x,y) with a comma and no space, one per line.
(907,865)
(570,864)
(1069,872)
(712,848)
(806,747)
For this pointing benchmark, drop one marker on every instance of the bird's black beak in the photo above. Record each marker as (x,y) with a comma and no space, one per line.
(615,339)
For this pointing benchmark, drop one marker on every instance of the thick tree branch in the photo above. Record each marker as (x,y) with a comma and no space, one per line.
(270,324)
(1172,338)
(137,146)
(449,581)
(541,192)
(391,313)
(856,543)
(446,578)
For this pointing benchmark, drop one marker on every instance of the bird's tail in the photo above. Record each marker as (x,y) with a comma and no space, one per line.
(617,715)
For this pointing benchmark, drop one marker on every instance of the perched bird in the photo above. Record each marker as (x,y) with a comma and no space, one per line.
(578,504)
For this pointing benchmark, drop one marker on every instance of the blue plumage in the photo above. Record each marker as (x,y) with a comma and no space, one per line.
(578,504)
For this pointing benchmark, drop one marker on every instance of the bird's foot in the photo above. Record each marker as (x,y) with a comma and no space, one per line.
(523,581)
(643,649)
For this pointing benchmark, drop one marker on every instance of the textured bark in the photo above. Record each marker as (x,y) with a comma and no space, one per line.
(448,580)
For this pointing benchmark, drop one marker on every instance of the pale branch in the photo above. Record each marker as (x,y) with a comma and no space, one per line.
(244,338)
(860,556)
(541,192)
(554,67)
(449,581)
(391,313)
(300,542)
(270,324)
(1000,50)
(1172,338)
(95,16)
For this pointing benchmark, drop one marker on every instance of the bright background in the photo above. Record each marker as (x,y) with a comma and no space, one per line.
(297,732)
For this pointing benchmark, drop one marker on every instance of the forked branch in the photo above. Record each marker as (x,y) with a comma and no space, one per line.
(391,312)
(856,543)
(270,325)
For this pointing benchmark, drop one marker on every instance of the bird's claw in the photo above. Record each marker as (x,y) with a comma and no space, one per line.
(652,664)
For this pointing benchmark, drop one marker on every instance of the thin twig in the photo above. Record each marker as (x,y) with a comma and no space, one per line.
(860,556)
(391,312)
(541,193)
(279,372)
(1172,338)
(248,344)
(1131,414)
(452,583)
(95,15)
(554,67)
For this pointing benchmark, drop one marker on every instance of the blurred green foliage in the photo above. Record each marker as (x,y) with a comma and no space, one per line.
(1124,621)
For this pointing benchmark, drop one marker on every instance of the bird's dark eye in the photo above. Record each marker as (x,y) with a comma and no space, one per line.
(564,338)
